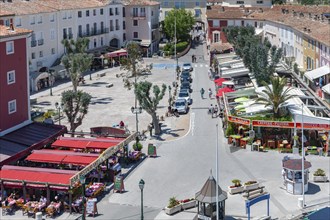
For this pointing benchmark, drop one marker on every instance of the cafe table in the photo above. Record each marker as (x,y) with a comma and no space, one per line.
(271,143)
(244,141)
(236,137)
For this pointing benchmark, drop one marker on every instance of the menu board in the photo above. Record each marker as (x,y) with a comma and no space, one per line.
(91,207)
(152,150)
(118,183)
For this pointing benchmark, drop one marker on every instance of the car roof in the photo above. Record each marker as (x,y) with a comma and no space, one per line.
(180,100)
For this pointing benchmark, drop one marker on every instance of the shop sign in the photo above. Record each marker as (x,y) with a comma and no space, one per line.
(314,126)
(273,124)
(238,120)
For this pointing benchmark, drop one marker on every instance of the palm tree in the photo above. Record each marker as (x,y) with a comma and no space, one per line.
(274,95)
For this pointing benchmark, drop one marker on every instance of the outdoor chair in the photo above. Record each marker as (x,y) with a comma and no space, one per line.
(7,210)
(256,145)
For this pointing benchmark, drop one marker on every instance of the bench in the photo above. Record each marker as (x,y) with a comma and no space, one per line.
(100,74)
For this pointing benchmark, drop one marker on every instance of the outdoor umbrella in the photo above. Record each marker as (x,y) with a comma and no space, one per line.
(241,99)
(224,90)
(219,81)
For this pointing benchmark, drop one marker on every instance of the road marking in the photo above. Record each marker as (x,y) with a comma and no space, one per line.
(196,65)
(201,65)
(192,122)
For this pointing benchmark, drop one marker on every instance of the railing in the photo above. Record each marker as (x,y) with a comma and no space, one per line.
(94,32)
(33,43)
(40,42)
(136,15)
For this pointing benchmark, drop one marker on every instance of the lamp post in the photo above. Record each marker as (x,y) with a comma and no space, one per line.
(59,107)
(82,181)
(141,185)
(169,95)
(50,80)
(136,110)
(175,55)
(302,154)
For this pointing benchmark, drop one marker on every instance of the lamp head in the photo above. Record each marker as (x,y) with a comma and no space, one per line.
(132,109)
(141,184)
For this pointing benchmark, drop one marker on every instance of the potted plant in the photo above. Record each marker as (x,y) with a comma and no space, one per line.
(236,188)
(251,185)
(188,203)
(319,176)
(137,146)
(173,206)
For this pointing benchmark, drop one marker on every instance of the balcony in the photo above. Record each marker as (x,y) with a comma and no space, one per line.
(33,43)
(154,26)
(93,32)
(139,16)
(40,42)
(117,27)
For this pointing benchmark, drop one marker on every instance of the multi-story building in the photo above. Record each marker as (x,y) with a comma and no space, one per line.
(247,3)
(142,24)
(197,7)
(14,100)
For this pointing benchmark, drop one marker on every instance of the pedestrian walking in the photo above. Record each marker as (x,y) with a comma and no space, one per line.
(150,129)
(195,59)
(210,93)
(210,109)
(202,93)
(192,58)
(216,109)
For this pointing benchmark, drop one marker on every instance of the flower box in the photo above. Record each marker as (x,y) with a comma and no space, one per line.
(234,190)
(252,186)
(175,209)
(320,178)
(188,205)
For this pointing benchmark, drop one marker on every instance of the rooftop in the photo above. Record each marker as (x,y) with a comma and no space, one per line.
(4,13)
(140,2)
(8,32)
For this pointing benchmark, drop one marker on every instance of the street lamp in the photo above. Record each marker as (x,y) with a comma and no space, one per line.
(141,185)
(136,110)
(59,107)
(169,96)
(50,80)
(82,181)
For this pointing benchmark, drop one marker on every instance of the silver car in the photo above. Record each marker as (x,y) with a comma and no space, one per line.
(181,105)
(187,66)
(184,94)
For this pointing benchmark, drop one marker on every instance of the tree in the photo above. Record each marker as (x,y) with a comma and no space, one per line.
(75,107)
(274,95)
(76,60)
(131,64)
(149,103)
(184,21)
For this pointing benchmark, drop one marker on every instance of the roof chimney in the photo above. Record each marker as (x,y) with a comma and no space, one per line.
(305,29)
(261,10)
(308,30)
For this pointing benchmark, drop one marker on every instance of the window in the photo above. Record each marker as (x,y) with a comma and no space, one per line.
(110,11)
(124,12)
(135,12)
(32,20)
(69,15)
(260,2)
(177,4)
(142,12)
(18,22)
(124,25)
(166,4)
(197,13)
(79,14)
(152,13)
(64,15)
(116,11)
(70,33)
(101,11)
(117,24)
(197,4)
(10,47)
(124,36)
(12,106)
(41,53)
(87,29)
(7,22)
(80,31)
(40,19)
(51,17)
(52,34)
(94,12)
(33,55)
(135,35)
(135,22)
(216,37)
(87,13)
(216,23)
(240,2)
(53,51)
(11,77)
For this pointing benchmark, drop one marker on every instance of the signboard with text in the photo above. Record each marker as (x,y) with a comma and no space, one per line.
(238,120)
(289,124)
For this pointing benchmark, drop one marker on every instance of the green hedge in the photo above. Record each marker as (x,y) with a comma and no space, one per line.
(169,47)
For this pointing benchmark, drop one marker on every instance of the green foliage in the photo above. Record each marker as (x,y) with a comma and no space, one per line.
(172,202)
(184,21)
(255,53)
(150,103)
(269,117)
(236,182)
(75,107)
(275,95)
(170,47)
(76,60)
(250,183)
(319,172)
(278,2)
(230,129)
(137,146)
(181,46)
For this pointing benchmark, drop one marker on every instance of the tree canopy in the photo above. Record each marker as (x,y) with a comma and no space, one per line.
(75,107)
(274,95)
(184,21)
(76,60)
(148,102)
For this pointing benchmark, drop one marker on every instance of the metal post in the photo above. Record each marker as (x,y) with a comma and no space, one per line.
(142,217)
(216,176)
(59,115)
(136,113)
(303,154)
(83,201)
(176,67)
(51,84)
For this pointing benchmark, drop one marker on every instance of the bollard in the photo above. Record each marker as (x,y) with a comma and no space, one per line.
(300,202)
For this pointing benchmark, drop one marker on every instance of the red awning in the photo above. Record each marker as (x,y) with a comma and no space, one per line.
(224,90)
(117,53)
(87,143)
(219,81)
(36,176)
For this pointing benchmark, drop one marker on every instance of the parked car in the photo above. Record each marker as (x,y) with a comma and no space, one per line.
(185,77)
(184,95)
(181,105)
(187,66)
(185,85)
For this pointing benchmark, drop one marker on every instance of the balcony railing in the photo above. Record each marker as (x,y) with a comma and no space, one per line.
(154,26)
(117,27)
(93,32)
(136,15)
(40,42)
(33,43)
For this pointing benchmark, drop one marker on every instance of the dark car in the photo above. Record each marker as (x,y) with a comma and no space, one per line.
(186,78)
(186,85)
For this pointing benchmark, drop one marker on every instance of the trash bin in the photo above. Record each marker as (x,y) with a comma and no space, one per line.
(300,202)
(39,216)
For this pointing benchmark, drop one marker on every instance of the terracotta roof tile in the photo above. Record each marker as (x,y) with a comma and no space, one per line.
(283,15)
(72,4)
(140,2)
(25,7)
(4,13)
(7,32)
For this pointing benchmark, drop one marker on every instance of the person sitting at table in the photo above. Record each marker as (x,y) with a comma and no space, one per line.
(43,199)
(121,124)
(76,205)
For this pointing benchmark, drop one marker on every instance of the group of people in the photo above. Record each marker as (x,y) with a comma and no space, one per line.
(214,111)
(202,91)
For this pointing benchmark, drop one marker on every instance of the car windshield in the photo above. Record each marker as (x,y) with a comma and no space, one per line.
(185,74)
(186,65)
(183,94)
(178,104)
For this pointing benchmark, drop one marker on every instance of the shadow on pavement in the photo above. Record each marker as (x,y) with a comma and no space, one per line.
(313,189)
(106,100)
(45,103)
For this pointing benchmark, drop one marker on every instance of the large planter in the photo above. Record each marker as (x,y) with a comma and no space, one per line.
(295,150)
(188,205)
(175,209)
(320,178)
(235,190)
(251,186)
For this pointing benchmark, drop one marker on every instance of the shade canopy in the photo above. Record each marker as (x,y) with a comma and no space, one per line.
(295,164)
(86,143)
(208,192)
(224,90)
(117,53)
(317,73)
(219,81)
(326,88)
(241,99)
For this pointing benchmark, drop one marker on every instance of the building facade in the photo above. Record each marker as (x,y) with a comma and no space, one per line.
(14,100)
